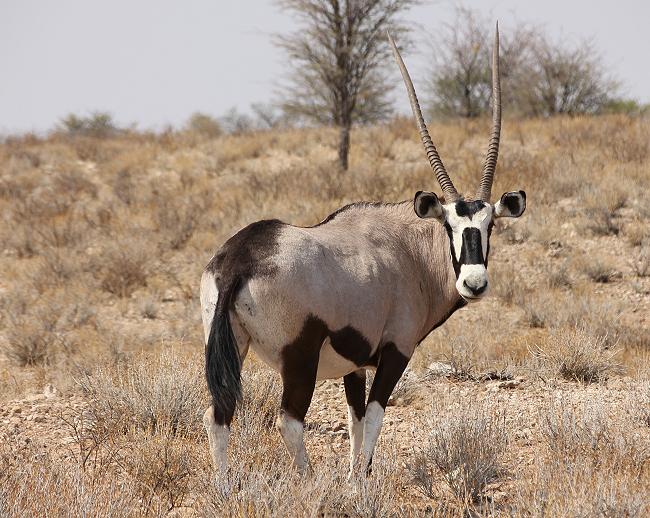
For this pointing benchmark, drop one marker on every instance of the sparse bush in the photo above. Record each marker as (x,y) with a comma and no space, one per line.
(506,284)
(558,276)
(124,268)
(166,392)
(600,221)
(97,124)
(467,447)
(205,125)
(31,332)
(599,270)
(578,355)
(162,466)
(641,264)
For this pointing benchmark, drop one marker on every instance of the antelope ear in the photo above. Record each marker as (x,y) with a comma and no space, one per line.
(427,205)
(511,205)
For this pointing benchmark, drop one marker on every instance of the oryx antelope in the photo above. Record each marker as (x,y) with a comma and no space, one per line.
(358,291)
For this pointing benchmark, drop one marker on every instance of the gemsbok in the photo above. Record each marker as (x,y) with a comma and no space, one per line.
(358,291)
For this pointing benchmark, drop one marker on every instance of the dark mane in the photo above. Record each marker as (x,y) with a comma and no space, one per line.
(356,205)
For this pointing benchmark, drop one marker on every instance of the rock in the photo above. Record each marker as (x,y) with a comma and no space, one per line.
(508,384)
(439,369)
(49,391)
(16,410)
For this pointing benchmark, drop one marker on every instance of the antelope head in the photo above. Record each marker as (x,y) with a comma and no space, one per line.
(467,220)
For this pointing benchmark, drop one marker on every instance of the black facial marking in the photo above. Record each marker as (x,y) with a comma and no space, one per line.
(489,233)
(390,369)
(472,250)
(355,392)
(468,208)
(245,255)
(454,261)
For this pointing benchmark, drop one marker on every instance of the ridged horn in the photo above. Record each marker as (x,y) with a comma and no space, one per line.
(451,194)
(490,165)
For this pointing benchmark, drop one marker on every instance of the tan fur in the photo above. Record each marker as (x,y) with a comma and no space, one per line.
(379,269)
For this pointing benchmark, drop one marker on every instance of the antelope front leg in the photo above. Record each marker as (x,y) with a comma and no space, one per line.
(391,366)
(355,394)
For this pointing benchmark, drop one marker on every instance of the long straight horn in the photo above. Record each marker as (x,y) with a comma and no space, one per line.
(493,149)
(451,194)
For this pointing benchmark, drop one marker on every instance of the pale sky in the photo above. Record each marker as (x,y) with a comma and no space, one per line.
(154,62)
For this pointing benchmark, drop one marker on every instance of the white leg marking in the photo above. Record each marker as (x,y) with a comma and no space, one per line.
(292,432)
(355,427)
(218,441)
(373,421)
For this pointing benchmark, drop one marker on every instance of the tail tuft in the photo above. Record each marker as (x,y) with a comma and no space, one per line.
(223,364)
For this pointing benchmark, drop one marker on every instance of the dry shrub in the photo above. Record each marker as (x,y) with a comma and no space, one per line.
(40,485)
(32,335)
(590,467)
(505,283)
(275,489)
(163,392)
(598,269)
(600,221)
(466,446)
(462,359)
(558,276)
(177,219)
(641,264)
(124,267)
(642,403)
(557,310)
(579,488)
(540,226)
(637,232)
(161,466)
(578,355)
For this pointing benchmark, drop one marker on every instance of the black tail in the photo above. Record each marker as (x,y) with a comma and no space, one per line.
(222,362)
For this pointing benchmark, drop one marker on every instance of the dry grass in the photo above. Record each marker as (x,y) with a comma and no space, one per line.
(105,241)
(465,446)
(578,355)
(591,470)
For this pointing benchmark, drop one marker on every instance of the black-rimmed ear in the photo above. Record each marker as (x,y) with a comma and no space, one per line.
(427,205)
(511,205)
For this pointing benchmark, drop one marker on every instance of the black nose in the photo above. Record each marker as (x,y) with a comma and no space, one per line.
(476,290)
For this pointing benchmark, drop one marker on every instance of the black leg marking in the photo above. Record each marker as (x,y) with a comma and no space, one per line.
(390,369)
(299,367)
(351,344)
(355,392)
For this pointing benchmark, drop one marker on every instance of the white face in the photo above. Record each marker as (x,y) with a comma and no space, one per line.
(469,225)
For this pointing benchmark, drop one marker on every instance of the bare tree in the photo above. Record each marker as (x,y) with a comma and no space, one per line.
(461,69)
(460,55)
(540,77)
(565,79)
(339,61)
